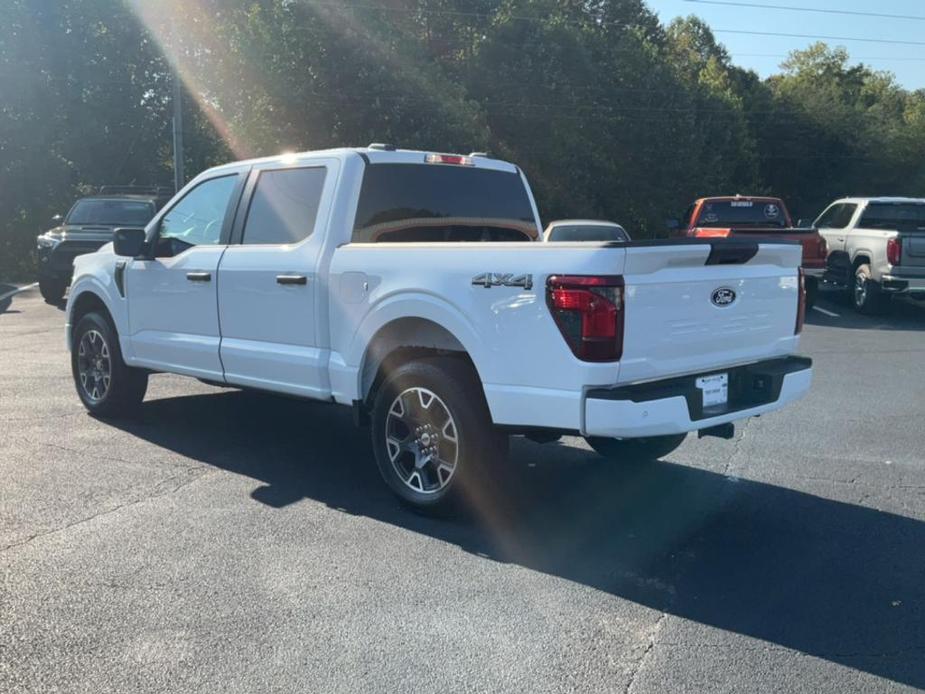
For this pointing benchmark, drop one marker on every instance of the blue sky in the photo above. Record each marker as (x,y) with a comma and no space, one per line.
(907,62)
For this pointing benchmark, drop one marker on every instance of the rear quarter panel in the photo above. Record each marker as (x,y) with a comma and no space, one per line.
(508,332)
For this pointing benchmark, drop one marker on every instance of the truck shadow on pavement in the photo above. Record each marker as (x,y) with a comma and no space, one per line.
(836,312)
(833,580)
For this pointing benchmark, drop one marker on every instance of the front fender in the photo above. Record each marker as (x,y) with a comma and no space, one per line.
(94,275)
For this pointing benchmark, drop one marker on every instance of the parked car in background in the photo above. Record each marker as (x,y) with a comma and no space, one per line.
(584,230)
(876,248)
(87,226)
(753,216)
(410,286)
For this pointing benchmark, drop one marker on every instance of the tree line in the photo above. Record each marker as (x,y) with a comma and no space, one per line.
(610,113)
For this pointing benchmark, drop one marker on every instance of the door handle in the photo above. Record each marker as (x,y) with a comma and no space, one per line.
(291,279)
(199,276)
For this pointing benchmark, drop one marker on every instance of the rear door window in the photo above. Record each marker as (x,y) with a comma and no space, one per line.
(435,202)
(284,206)
(889,215)
(837,216)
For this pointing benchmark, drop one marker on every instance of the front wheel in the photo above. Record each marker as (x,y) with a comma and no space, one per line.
(52,290)
(634,450)
(106,385)
(432,434)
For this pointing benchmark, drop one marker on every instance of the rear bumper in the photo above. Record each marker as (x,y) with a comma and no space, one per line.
(674,405)
(898,284)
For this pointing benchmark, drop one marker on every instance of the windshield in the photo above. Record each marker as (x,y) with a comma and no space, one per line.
(135,213)
(588,232)
(430,202)
(905,216)
(726,213)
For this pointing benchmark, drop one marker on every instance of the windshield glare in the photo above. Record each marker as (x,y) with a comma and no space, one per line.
(724,213)
(134,213)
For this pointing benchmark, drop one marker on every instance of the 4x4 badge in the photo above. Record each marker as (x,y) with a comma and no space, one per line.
(496,279)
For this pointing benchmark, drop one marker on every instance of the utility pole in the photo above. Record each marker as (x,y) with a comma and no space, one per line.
(178,177)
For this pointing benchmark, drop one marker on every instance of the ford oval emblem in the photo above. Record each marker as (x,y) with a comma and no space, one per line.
(724,296)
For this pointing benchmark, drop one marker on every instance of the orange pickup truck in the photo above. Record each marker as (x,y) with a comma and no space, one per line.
(752,215)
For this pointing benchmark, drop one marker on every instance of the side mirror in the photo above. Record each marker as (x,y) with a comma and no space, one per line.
(129,241)
(672,224)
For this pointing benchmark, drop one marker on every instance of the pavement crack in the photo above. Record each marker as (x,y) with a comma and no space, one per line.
(656,628)
(158,493)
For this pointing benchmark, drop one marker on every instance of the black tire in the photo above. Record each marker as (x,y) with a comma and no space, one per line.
(89,362)
(418,428)
(52,290)
(812,291)
(636,450)
(866,295)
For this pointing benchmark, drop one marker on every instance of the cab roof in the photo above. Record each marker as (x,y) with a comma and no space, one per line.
(723,198)
(887,200)
(374,155)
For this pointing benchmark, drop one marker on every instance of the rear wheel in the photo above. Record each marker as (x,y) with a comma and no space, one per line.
(106,385)
(52,290)
(867,295)
(634,450)
(432,434)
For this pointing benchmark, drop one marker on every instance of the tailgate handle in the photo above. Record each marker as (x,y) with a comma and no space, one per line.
(731,252)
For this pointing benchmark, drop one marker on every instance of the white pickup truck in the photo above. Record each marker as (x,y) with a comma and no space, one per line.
(412,286)
(876,249)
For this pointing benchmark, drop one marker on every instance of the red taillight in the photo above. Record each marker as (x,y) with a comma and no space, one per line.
(589,313)
(710,233)
(454,159)
(823,247)
(894,251)
(801,303)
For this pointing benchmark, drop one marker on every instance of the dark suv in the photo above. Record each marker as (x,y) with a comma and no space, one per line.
(88,226)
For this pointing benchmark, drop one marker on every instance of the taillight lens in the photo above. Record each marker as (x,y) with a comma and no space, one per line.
(823,247)
(894,251)
(710,233)
(801,304)
(589,312)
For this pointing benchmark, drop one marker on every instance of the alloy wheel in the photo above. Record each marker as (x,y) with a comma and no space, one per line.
(94,366)
(421,440)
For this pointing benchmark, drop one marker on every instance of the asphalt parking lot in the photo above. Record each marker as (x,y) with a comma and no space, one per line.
(238,542)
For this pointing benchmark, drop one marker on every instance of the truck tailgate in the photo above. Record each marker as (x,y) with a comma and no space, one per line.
(697,308)
(913,250)
(814,249)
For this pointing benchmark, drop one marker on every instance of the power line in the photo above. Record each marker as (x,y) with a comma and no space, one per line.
(821,10)
(818,36)
(853,57)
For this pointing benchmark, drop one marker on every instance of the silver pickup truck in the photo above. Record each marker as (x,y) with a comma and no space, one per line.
(876,248)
